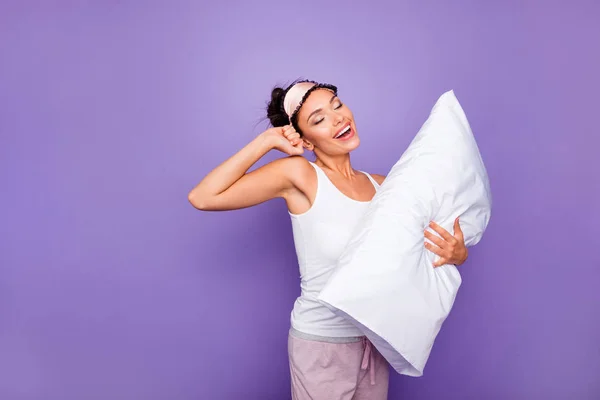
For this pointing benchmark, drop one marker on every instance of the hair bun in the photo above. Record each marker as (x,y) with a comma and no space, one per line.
(275,111)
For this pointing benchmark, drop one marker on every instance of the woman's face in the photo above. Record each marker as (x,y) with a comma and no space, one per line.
(327,123)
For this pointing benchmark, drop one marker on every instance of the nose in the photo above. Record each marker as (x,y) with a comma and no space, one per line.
(338,119)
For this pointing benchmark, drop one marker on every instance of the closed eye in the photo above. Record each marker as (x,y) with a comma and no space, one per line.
(319,121)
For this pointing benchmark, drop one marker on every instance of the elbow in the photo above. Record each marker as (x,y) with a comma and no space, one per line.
(197,201)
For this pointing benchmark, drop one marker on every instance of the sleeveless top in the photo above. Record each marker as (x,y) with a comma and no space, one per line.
(320,237)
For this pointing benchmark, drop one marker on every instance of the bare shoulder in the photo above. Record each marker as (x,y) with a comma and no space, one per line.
(301,173)
(378,178)
(289,166)
(297,170)
(303,177)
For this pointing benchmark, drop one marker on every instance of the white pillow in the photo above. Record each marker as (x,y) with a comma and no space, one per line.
(385,282)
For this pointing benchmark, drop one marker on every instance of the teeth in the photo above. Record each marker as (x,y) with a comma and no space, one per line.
(342,132)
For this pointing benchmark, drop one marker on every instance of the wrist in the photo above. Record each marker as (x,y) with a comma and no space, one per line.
(265,142)
(270,140)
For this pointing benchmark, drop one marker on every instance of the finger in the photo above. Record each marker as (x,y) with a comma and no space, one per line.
(292,149)
(435,239)
(435,249)
(443,253)
(458,233)
(289,129)
(297,149)
(293,135)
(440,262)
(443,233)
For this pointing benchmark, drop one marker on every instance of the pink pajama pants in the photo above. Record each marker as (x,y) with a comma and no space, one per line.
(337,371)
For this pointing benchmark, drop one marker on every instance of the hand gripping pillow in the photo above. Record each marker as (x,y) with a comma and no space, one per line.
(384,281)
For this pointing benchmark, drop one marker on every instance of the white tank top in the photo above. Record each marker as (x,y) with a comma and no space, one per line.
(320,236)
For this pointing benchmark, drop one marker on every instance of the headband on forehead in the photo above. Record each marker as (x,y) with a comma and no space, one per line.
(298,93)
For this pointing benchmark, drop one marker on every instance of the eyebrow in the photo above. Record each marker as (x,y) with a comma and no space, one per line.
(320,109)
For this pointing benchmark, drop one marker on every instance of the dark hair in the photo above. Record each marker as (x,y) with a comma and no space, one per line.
(275,111)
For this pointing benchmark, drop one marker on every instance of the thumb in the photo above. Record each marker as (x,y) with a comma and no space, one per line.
(457,230)
(292,149)
(299,147)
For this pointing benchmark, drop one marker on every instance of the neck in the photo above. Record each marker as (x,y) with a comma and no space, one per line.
(339,165)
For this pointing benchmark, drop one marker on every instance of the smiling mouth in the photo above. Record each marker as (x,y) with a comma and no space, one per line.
(344,132)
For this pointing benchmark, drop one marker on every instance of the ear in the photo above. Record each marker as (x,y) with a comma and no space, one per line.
(308,145)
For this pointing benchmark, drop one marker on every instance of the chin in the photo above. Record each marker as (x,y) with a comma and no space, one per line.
(354,143)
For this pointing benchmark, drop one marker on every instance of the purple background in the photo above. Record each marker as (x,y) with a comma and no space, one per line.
(113,287)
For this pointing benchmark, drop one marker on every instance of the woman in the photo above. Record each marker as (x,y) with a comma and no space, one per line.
(330,358)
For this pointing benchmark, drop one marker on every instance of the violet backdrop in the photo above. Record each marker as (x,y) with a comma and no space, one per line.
(113,287)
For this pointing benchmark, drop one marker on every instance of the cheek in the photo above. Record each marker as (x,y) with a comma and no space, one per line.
(317,133)
(324,135)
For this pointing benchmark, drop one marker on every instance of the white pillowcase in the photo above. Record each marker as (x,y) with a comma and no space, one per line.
(385,282)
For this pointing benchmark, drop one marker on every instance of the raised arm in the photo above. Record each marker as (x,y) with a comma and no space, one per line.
(230,187)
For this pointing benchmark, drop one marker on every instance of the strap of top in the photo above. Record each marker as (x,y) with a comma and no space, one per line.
(373,181)
(320,171)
